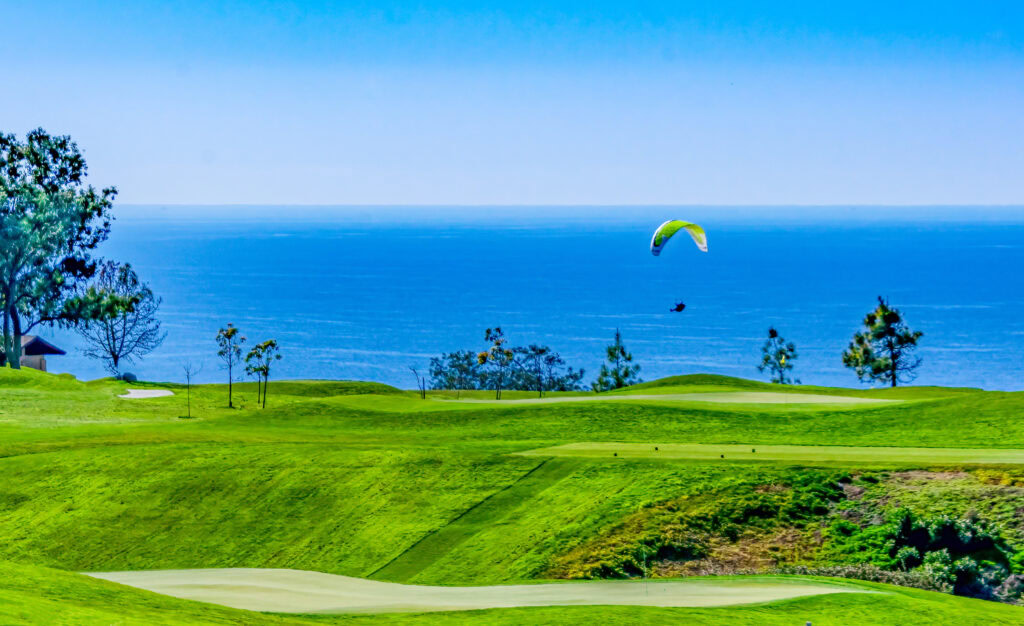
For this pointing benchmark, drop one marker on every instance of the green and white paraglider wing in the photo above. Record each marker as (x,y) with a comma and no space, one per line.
(670,228)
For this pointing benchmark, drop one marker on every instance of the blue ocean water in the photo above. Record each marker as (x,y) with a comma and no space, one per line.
(365,293)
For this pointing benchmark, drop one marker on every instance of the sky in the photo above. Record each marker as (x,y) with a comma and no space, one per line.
(578,103)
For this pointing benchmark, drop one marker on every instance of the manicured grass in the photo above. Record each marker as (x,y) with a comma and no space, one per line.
(485,513)
(788,455)
(365,480)
(306,506)
(38,595)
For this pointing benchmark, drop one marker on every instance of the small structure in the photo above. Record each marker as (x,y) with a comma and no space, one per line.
(33,352)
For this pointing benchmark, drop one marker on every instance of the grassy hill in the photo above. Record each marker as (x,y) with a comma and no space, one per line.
(366,480)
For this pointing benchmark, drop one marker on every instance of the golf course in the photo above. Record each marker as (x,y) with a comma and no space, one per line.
(681,500)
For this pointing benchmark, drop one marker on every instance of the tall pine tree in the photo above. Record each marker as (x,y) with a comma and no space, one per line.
(883,351)
(619,371)
(777,356)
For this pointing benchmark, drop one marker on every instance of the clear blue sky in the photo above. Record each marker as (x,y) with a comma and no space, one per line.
(528,102)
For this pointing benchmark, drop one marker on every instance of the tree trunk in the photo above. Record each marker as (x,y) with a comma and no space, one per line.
(8,343)
(14,358)
(266,379)
(894,367)
(230,406)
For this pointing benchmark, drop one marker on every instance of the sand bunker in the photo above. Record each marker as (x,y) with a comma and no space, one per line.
(294,591)
(139,394)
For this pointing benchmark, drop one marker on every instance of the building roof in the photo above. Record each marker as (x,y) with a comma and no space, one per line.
(32,345)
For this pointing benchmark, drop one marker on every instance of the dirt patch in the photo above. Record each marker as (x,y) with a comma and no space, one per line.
(851,491)
(751,552)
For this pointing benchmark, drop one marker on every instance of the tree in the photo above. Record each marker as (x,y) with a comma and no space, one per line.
(529,362)
(540,369)
(230,352)
(131,333)
(258,362)
(498,359)
(455,370)
(523,368)
(559,379)
(421,382)
(777,356)
(253,370)
(50,222)
(619,371)
(191,371)
(883,351)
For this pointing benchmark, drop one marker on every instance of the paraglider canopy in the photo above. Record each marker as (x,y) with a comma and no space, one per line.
(670,228)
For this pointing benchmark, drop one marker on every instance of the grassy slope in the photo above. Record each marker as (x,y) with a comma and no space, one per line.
(38,595)
(349,477)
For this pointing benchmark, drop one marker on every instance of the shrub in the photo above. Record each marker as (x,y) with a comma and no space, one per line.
(681,529)
(968,556)
(918,579)
(1011,589)
(128,377)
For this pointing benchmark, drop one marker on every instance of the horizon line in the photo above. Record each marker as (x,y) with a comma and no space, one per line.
(579,205)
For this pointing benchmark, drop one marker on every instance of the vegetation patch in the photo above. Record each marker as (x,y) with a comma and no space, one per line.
(811,522)
(690,528)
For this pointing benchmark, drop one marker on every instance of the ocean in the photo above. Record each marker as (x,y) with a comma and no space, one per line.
(365,293)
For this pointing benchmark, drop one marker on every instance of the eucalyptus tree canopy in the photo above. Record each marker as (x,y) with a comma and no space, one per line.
(229,349)
(258,363)
(130,333)
(50,223)
(498,360)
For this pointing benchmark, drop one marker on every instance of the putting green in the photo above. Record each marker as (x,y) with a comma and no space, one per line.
(729,397)
(786,454)
(294,591)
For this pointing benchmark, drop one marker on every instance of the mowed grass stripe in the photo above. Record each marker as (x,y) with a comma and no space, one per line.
(488,511)
(801,455)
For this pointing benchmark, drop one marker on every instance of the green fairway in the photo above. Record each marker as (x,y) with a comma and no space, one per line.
(487,512)
(799,455)
(370,482)
(38,595)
